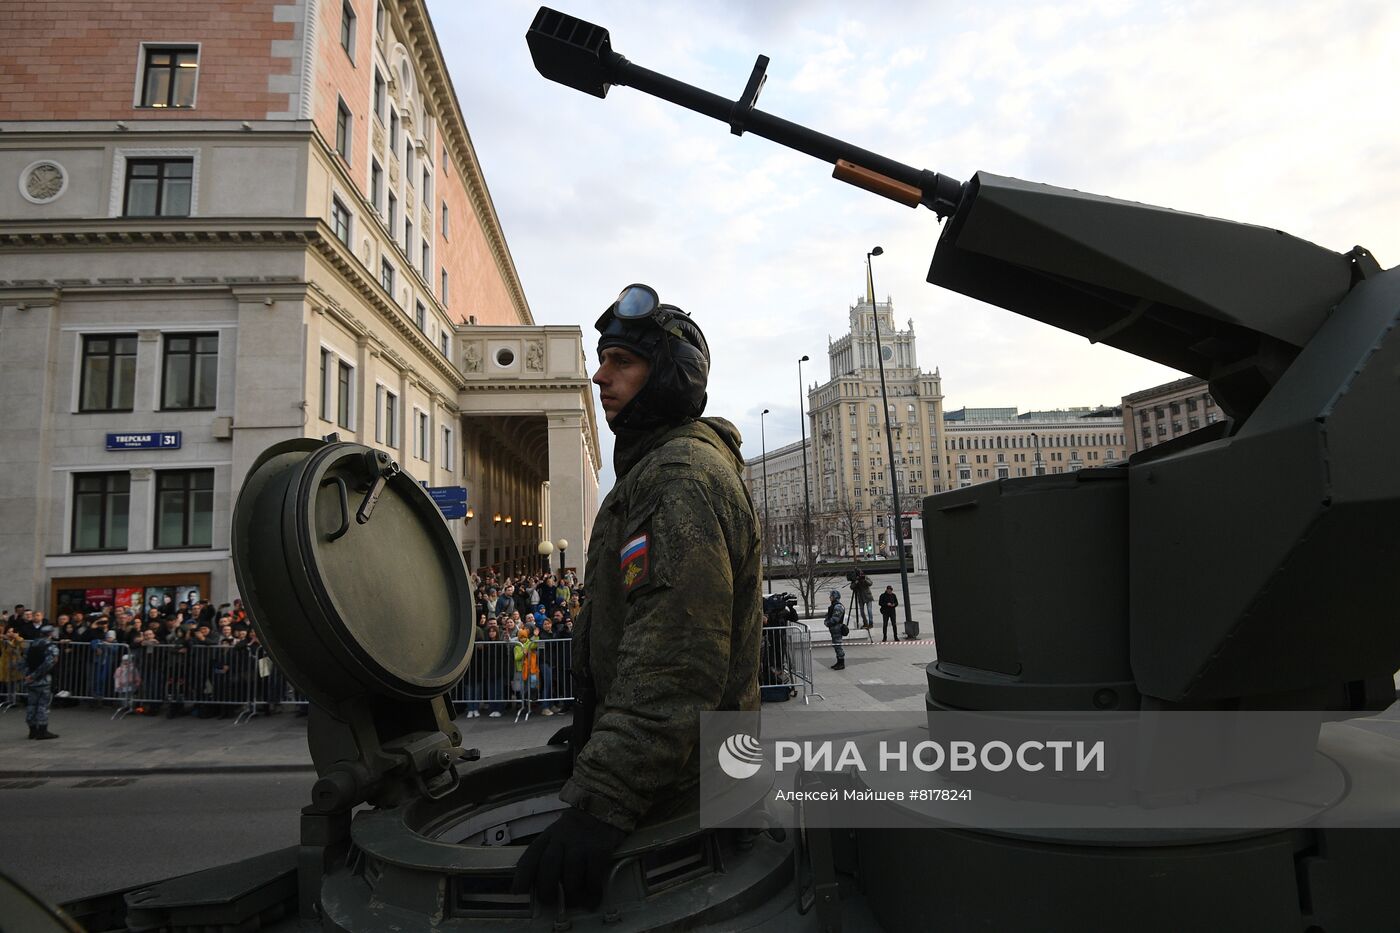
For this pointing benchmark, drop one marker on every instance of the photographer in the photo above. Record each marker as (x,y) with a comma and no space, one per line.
(862,598)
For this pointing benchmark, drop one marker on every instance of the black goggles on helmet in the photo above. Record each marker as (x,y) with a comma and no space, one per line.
(638,303)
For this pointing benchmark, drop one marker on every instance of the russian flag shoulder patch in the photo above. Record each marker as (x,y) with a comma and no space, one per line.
(634,561)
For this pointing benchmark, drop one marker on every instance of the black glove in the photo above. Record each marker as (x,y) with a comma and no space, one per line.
(576,850)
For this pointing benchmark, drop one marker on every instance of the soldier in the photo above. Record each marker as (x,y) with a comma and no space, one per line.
(835,622)
(39,661)
(672,623)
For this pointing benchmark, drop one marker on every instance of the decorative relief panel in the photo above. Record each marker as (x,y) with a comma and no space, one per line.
(471,358)
(534,356)
(43,182)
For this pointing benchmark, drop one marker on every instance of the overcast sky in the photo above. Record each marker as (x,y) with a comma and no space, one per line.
(1275,113)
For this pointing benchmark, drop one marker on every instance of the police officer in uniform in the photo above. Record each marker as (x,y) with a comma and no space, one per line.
(39,661)
(673,622)
(835,622)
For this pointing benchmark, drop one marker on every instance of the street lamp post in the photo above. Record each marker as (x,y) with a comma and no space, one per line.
(806,483)
(911,628)
(563,545)
(763,444)
(544,549)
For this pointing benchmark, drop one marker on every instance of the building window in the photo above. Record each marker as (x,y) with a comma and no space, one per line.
(443,342)
(407,159)
(345,383)
(190,372)
(343,124)
(393,131)
(326,357)
(338,386)
(340,221)
(444,220)
(158,187)
(427,197)
(379,18)
(408,240)
(100,508)
(376,184)
(442,294)
(347,28)
(420,434)
(447,450)
(109,373)
(184,508)
(393,214)
(426,260)
(388,420)
(386,276)
(169,75)
(379,95)
(420,316)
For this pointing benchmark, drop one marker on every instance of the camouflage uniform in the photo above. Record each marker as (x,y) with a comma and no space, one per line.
(835,618)
(40,685)
(672,624)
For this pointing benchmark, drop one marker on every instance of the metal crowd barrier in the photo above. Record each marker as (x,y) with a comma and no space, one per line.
(785,663)
(492,687)
(204,677)
(86,671)
(201,678)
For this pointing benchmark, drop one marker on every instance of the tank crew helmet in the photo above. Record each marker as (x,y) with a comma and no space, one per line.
(666,337)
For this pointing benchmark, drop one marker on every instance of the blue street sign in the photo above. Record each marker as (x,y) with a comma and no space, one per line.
(450,500)
(169,440)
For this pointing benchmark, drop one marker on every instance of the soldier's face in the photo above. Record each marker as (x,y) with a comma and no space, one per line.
(620,376)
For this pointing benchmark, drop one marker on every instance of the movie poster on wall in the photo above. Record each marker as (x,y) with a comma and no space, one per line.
(131,598)
(98,598)
(161,599)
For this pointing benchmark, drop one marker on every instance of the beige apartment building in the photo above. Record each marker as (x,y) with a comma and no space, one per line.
(779,499)
(232,223)
(847,456)
(847,451)
(983,444)
(1167,411)
(850,456)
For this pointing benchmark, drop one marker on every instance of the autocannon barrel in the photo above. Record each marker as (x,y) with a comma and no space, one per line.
(580,55)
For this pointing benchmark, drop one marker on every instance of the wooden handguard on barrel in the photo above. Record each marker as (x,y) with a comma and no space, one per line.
(876,183)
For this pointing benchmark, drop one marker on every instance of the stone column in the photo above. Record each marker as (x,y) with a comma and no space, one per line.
(29,338)
(140,529)
(566,501)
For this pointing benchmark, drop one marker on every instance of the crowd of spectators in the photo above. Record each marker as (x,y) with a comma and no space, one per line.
(107,655)
(524,624)
(524,627)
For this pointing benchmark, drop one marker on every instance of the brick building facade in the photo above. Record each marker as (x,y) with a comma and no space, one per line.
(228,224)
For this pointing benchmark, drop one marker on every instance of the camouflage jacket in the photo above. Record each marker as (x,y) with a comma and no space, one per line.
(673,620)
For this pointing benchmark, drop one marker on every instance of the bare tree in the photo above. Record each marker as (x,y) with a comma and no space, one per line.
(803,562)
(846,520)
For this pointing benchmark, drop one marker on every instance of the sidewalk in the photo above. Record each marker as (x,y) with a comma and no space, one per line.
(877,677)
